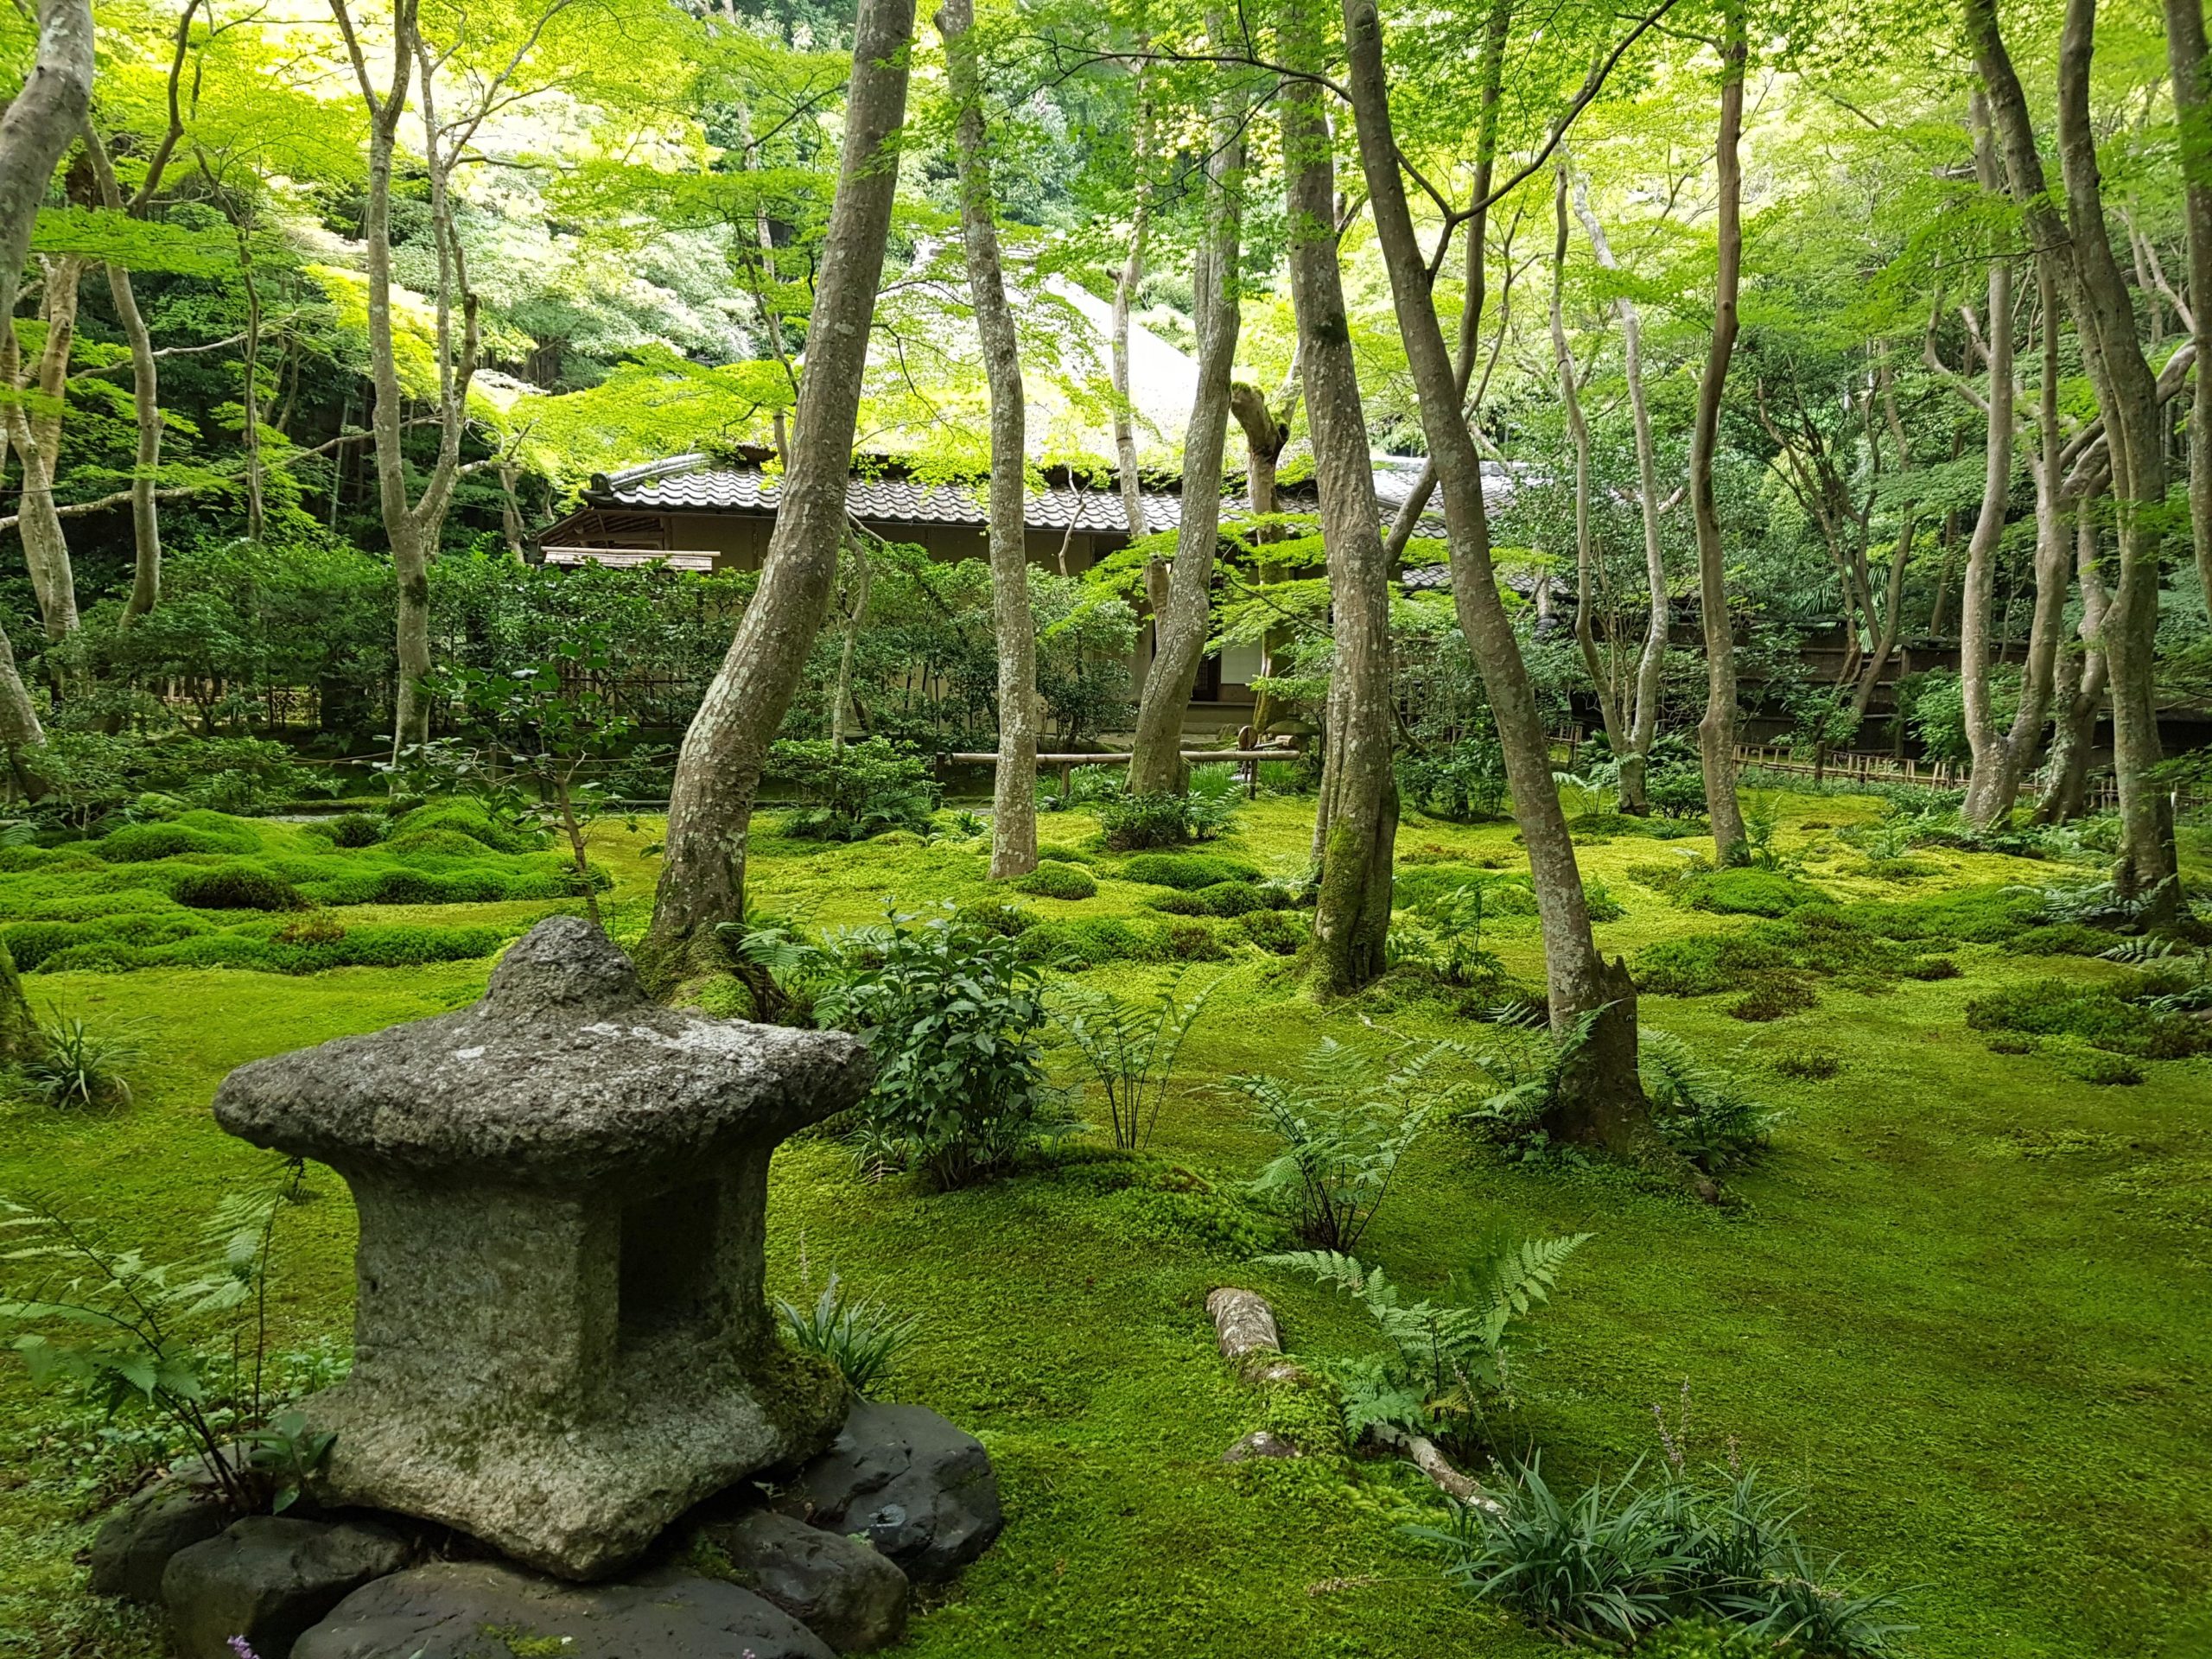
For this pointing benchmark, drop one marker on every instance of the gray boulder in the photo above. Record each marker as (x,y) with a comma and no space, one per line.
(135,1542)
(480,1610)
(267,1579)
(838,1587)
(923,1491)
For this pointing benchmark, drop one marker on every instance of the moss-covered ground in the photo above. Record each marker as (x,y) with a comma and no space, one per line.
(1963,1306)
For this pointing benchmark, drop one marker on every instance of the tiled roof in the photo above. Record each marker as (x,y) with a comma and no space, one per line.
(692,484)
(695,484)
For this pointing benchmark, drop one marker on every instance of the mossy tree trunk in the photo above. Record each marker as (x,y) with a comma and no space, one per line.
(718,769)
(1359,797)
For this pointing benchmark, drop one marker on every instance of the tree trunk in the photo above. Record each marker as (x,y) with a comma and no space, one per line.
(1651,663)
(1602,681)
(1125,295)
(2127,395)
(1602,1103)
(145,405)
(35,131)
(1716,732)
(2192,75)
(2001,759)
(2066,789)
(35,435)
(1013,797)
(1156,767)
(718,769)
(1266,432)
(1352,918)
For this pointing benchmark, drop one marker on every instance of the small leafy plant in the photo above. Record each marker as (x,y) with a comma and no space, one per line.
(857,1334)
(1448,1367)
(954,1018)
(852,791)
(1129,1048)
(1343,1125)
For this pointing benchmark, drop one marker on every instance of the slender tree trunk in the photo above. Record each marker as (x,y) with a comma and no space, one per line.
(1266,432)
(35,433)
(1602,682)
(1156,767)
(1013,797)
(1651,663)
(1716,732)
(718,769)
(2002,759)
(2129,395)
(145,405)
(2192,79)
(2066,789)
(1352,918)
(34,131)
(1125,294)
(1601,1100)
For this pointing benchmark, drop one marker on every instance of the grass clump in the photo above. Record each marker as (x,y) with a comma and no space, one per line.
(857,1334)
(1186,872)
(1057,880)
(1277,932)
(2099,1016)
(72,1065)
(1774,996)
(1810,1066)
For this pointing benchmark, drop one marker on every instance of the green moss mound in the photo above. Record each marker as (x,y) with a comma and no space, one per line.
(1278,932)
(467,818)
(143,844)
(236,886)
(2100,1015)
(1185,871)
(1057,881)
(1223,899)
(1747,893)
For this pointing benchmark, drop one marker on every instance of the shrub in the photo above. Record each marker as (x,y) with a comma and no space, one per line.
(1747,892)
(1007,921)
(1775,996)
(1275,931)
(952,1015)
(1931,967)
(856,792)
(2097,1014)
(1058,881)
(1132,821)
(1425,886)
(1187,871)
(236,886)
(857,1334)
(1462,784)
(1598,900)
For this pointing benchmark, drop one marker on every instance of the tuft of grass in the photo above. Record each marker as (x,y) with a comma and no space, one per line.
(857,1334)
(74,1065)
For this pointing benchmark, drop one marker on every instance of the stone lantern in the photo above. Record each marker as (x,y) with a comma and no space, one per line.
(560,1343)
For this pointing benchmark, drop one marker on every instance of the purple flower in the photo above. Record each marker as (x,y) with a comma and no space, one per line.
(244,1649)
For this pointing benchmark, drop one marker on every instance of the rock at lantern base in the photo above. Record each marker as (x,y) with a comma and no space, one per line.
(560,1339)
(838,1587)
(135,1542)
(922,1491)
(476,1609)
(267,1579)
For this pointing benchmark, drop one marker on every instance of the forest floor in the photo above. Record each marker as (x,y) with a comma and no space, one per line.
(1963,1307)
